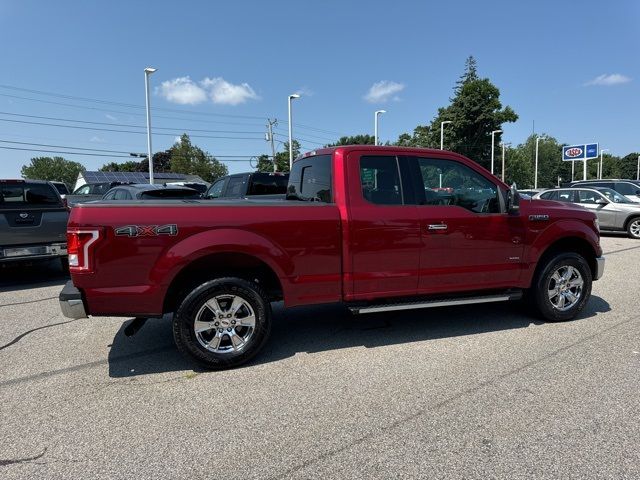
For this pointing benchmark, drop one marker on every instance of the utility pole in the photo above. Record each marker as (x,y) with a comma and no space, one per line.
(270,125)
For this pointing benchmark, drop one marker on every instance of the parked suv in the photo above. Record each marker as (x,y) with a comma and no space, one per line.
(615,212)
(33,221)
(628,188)
(145,191)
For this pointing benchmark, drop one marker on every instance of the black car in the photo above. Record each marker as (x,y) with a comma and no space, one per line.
(146,191)
(242,185)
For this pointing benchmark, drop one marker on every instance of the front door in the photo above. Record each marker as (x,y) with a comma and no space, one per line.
(605,211)
(469,242)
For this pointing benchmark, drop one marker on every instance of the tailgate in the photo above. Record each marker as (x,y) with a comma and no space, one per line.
(33,226)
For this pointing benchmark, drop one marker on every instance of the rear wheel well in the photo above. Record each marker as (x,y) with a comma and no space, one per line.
(569,244)
(219,265)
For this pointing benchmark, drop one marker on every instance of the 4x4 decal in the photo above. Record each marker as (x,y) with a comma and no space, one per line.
(146,230)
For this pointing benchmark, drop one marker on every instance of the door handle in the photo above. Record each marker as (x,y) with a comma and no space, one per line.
(437,226)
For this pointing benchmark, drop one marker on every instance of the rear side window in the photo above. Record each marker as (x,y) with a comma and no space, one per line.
(380,180)
(587,196)
(626,188)
(216,189)
(310,180)
(566,196)
(122,195)
(268,184)
(235,188)
(62,188)
(28,194)
(549,195)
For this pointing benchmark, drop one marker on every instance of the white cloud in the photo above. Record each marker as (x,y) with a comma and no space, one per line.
(305,92)
(605,80)
(184,91)
(383,91)
(96,139)
(225,93)
(110,117)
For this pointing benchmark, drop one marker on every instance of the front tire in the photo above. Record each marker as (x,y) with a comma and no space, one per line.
(562,287)
(222,323)
(633,228)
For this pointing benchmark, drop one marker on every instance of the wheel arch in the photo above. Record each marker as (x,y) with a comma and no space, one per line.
(631,217)
(573,244)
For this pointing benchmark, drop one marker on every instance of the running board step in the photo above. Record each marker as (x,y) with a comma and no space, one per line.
(447,302)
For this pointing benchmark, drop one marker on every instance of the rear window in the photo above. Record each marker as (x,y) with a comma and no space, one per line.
(268,184)
(19,195)
(310,180)
(62,188)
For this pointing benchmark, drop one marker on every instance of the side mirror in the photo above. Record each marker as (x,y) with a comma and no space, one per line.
(513,199)
(637,192)
(601,201)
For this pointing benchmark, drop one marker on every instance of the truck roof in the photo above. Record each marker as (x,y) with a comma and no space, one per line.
(375,148)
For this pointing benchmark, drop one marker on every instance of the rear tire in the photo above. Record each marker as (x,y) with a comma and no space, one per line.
(633,228)
(562,287)
(222,323)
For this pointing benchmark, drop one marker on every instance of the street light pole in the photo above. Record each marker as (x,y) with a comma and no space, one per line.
(493,147)
(602,150)
(502,176)
(375,125)
(148,71)
(291,97)
(638,173)
(442,124)
(535,176)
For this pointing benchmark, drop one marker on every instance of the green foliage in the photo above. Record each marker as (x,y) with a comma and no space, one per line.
(265,162)
(128,166)
(363,139)
(190,159)
(53,168)
(475,111)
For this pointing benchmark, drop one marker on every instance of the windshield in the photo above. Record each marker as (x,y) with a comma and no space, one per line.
(614,196)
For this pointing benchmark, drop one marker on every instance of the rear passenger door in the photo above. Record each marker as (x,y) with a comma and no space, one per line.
(384,228)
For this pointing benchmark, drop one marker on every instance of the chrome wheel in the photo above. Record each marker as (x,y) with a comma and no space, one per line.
(225,324)
(565,288)
(634,228)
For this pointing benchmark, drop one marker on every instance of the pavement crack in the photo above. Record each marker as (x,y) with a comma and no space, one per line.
(4,463)
(443,403)
(22,335)
(28,301)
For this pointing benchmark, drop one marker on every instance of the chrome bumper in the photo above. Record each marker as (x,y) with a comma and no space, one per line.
(599,268)
(71,302)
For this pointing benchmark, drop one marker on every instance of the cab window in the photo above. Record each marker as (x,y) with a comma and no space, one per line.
(235,187)
(122,195)
(449,183)
(216,189)
(380,180)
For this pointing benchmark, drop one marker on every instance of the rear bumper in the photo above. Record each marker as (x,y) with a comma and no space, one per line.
(599,268)
(71,302)
(16,253)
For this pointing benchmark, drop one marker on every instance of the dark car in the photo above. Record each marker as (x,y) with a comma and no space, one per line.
(33,221)
(89,192)
(242,185)
(146,191)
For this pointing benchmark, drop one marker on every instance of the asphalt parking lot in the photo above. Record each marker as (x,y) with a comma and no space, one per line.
(467,392)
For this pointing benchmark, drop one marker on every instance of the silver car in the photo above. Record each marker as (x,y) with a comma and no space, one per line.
(615,212)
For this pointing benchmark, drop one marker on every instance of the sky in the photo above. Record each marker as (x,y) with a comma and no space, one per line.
(225,67)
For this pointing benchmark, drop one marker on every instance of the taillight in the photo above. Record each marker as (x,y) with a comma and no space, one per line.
(80,244)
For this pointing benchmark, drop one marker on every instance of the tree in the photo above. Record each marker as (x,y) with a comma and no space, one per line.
(190,159)
(53,168)
(520,168)
(128,166)
(265,163)
(475,111)
(364,139)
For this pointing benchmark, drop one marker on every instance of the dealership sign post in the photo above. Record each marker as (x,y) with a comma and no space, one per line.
(584,152)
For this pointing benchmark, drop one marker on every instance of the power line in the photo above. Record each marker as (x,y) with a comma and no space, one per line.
(124,131)
(65,153)
(125,124)
(129,105)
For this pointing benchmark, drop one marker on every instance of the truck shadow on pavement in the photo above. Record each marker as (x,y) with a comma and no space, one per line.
(20,276)
(329,327)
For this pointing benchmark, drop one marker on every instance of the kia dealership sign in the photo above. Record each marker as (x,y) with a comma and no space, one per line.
(579,152)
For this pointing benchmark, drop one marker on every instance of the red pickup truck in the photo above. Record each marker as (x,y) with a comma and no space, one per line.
(378,228)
